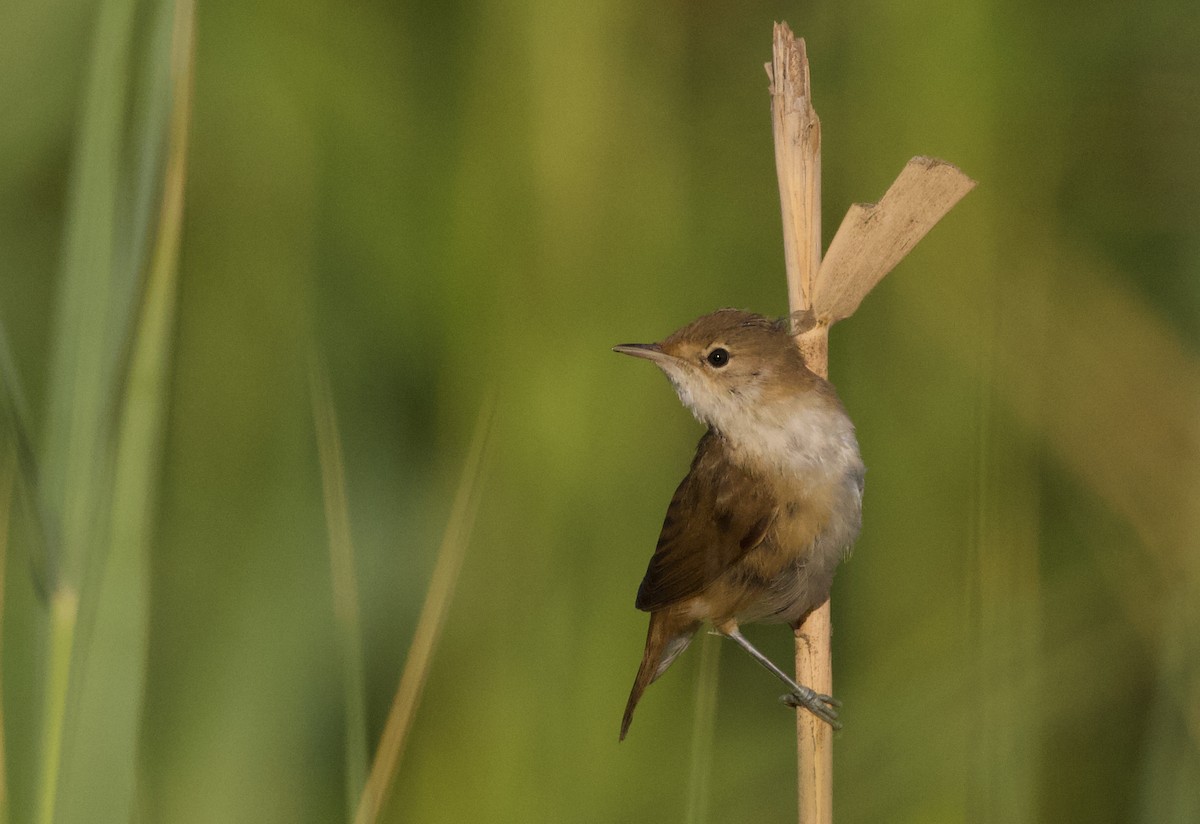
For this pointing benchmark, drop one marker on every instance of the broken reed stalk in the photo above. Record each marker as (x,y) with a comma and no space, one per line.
(798,164)
(871,240)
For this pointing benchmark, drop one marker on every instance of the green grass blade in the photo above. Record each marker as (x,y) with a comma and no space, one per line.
(77,450)
(8,471)
(82,379)
(16,418)
(345,586)
(15,406)
(386,762)
(703,731)
(106,497)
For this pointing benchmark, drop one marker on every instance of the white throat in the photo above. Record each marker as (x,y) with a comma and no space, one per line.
(798,436)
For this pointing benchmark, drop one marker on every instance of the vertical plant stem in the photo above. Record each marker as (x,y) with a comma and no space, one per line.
(63,610)
(345,584)
(700,773)
(871,240)
(108,408)
(386,762)
(8,471)
(99,774)
(798,164)
(77,453)
(814,738)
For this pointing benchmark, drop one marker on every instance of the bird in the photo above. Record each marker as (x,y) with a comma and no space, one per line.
(772,502)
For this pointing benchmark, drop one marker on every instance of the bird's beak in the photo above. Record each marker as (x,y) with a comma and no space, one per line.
(649,351)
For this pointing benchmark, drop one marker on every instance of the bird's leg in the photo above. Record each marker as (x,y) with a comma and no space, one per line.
(822,706)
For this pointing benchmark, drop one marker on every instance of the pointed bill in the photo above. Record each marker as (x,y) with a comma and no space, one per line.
(649,351)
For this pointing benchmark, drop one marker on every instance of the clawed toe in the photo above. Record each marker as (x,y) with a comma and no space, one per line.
(823,706)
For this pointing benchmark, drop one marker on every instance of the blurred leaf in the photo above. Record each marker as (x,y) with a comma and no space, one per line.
(345,584)
(1170,779)
(78,456)
(386,762)
(699,792)
(16,418)
(106,421)
(8,470)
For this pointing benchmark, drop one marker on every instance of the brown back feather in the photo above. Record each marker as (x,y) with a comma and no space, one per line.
(717,515)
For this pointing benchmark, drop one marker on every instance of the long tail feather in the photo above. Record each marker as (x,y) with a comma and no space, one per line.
(665,640)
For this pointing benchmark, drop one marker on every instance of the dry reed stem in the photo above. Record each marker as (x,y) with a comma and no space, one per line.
(798,164)
(872,239)
(433,614)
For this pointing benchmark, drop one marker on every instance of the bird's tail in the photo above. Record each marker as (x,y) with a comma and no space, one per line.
(665,639)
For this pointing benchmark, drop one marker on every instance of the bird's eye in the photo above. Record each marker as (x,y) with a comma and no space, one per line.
(718,357)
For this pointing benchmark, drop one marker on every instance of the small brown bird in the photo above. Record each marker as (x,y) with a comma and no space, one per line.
(771,505)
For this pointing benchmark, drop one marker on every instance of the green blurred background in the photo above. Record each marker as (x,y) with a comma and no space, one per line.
(462,197)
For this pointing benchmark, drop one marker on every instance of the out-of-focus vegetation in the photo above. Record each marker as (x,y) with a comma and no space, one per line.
(451,197)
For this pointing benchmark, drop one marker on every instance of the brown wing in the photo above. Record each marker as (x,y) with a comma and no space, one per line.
(718,514)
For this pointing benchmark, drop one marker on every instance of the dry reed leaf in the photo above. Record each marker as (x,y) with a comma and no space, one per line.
(874,237)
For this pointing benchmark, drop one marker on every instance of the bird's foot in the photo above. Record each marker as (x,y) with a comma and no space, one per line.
(823,706)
